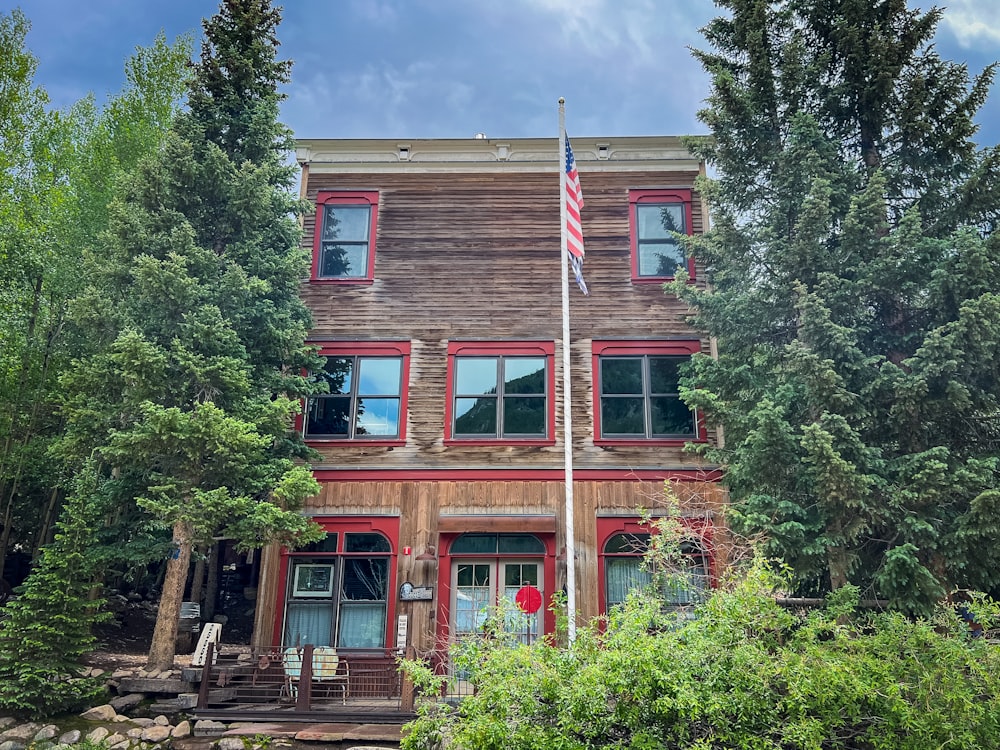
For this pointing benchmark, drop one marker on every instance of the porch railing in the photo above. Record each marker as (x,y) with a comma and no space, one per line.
(300,679)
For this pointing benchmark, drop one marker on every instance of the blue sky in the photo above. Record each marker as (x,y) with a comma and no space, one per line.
(452,68)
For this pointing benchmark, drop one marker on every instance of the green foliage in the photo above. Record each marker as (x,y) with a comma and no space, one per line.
(854,296)
(198,330)
(46,628)
(58,172)
(745,673)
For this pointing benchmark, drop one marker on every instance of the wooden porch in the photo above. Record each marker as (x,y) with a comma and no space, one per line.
(307,684)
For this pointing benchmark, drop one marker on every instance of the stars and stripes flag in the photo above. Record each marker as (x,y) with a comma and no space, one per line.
(573,198)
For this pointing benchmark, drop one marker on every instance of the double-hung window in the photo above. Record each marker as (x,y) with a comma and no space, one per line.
(344,245)
(637,395)
(654,218)
(500,392)
(366,393)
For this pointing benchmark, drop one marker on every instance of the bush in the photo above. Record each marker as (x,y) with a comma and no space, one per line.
(744,673)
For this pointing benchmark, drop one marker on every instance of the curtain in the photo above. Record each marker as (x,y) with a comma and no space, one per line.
(309,623)
(622,575)
(362,625)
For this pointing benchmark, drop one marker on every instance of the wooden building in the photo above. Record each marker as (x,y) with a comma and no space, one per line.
(435,292)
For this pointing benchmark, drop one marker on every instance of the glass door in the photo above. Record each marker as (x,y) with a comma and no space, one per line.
(477,587)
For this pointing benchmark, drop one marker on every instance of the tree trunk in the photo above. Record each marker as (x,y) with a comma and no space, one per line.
(42,537)
(198,577)
(837,564)
(164,645)
(212,587)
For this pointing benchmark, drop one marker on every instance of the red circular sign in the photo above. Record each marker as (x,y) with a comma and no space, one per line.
(528,599)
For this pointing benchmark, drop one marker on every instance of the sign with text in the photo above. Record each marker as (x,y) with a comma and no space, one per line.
(410,593)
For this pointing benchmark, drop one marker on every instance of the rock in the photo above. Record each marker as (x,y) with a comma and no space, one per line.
(123,702)
(208,728)
(161,721)
(117,739)
(7,721)
(119,718)
(22,732)
(135,733)
(181,730)
(100,713)
(12,745)
(98,734)
(71,737)
(96,672)
(155,733)
(231,743)
(119,673)
(142,721)
(46,733)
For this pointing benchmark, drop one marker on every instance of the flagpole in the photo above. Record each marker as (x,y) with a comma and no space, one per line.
(567,392)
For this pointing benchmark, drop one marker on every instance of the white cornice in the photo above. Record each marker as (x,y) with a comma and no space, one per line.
(627,153)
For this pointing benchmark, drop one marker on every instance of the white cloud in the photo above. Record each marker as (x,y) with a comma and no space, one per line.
(973,21)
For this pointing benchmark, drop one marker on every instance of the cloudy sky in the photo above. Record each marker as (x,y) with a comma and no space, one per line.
(452,68)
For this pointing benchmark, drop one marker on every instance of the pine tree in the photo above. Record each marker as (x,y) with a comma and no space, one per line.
(854,295)
(192,395)
(52,617)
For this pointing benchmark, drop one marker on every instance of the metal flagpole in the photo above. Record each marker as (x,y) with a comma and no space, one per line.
(567,393)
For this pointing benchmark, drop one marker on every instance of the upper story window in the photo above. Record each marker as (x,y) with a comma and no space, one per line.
(366,398)
(638,392)
(654,216)
(344,245)
(500,392)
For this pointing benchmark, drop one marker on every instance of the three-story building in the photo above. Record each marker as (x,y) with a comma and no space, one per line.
(435,292)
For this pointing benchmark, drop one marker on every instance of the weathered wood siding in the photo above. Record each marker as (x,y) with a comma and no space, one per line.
(476,257)
(421,504)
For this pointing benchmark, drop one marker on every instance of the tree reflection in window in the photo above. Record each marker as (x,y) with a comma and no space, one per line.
(362,400)
(344,241)
(500,397)
(640,398)
(659,252)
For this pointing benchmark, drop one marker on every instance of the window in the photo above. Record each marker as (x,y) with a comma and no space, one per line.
(344,243)
(625,569)
(339,592)
(500,392)
(366,393)
(654,215)
(637,392)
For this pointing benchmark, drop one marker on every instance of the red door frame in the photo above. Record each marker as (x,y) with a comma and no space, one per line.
(445,542)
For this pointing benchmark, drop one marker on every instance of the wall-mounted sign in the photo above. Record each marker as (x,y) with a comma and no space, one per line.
(410,593)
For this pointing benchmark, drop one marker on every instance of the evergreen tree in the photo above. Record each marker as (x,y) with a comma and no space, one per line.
(58,171)
(854,295)
(196,304)
(47,627)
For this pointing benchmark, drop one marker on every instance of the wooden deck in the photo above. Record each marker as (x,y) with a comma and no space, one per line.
(275,684)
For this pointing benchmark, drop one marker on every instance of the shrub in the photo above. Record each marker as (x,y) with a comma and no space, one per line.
(744,673)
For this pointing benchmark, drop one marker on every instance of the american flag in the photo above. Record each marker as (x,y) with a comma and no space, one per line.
(574,232)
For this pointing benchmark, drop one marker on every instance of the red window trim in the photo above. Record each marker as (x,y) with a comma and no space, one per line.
(371,348)
(671,195)
(609,348)
(545,349)
(345,198)
(699,529)
(388,526)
